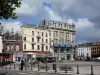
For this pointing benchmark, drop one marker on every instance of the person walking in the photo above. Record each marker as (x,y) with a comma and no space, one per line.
(22,64)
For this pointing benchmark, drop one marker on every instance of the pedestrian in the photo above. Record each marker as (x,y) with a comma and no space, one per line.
(22,64)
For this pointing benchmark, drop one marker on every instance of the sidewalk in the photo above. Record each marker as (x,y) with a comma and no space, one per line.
(35,69)
(83,70)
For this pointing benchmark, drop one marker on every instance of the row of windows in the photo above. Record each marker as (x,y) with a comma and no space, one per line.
(81,54)
(95,48)
(38,40)
(61,25)
(96,52)
(42,34)
(61,41)
(38,47)
(62,34)
(12,47)
(82,49)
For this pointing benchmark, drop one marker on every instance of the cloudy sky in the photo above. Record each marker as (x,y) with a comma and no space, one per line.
(84,13)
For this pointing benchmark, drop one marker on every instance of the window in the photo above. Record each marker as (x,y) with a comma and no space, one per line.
(32,46)
(12,47)
(24,38)
(24,46)
(46,35)
(46,47)
(42,33)
(42,48)
(42,40)
(38,47)
(65,25)
(38,33)
(32,39)
(38,39)
(50,41)
(32,32)
(61,25)
(46,41)
(68,35)
(17,47)
(55,24)
(8,47)
(50,33)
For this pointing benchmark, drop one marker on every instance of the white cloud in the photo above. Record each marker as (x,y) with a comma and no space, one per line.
(26,9)
(9,25)
(83,24)
(53,15)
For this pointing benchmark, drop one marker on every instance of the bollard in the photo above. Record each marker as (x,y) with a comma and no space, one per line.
(31,67)
(65,68)
(25,66)
(77,69)
(46,67)
(14,66)
(92,70)
(19,67)
(6,65)
(38,66)
(55,68)
(10,66)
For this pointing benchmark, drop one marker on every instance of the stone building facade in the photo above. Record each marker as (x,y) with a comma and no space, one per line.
(35,39)
(45,36)
(12,45)
(12,41)
(83,51)
(1,44)
(62,33)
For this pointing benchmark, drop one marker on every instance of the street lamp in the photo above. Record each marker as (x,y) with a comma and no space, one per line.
(72,45)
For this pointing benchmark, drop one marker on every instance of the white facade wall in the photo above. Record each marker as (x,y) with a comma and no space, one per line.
(83,51)
(27,32)
(1,44)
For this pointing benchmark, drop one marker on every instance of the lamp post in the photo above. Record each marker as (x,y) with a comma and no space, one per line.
(72,49)
(65,52)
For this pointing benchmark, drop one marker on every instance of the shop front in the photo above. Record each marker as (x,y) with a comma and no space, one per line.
(63,52)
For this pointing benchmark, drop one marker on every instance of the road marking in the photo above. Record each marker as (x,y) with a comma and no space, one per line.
(23,73)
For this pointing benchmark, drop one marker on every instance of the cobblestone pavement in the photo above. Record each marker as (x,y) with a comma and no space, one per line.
(84,69)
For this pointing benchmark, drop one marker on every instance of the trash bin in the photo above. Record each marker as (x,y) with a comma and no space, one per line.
(54,66)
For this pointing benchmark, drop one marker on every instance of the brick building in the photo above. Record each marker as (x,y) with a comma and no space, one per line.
(92,49)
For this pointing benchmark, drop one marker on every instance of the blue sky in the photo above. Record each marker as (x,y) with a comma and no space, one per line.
(84,13)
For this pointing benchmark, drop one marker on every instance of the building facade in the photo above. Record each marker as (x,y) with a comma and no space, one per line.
(95,49)
(83,51)
(12,45)
(1,44)
(91,49)
(35,39)
(62,33)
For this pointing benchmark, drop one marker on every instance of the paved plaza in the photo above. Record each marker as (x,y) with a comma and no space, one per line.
(84,69)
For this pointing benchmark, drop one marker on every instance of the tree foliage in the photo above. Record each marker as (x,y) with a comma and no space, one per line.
(7,8)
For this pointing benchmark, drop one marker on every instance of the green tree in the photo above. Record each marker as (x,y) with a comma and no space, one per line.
(7,8)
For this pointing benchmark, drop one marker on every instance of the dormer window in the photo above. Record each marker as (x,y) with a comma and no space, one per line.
(32,32)
(38,33)
(55,24)
(61,25)
(65,25)
(24,38)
